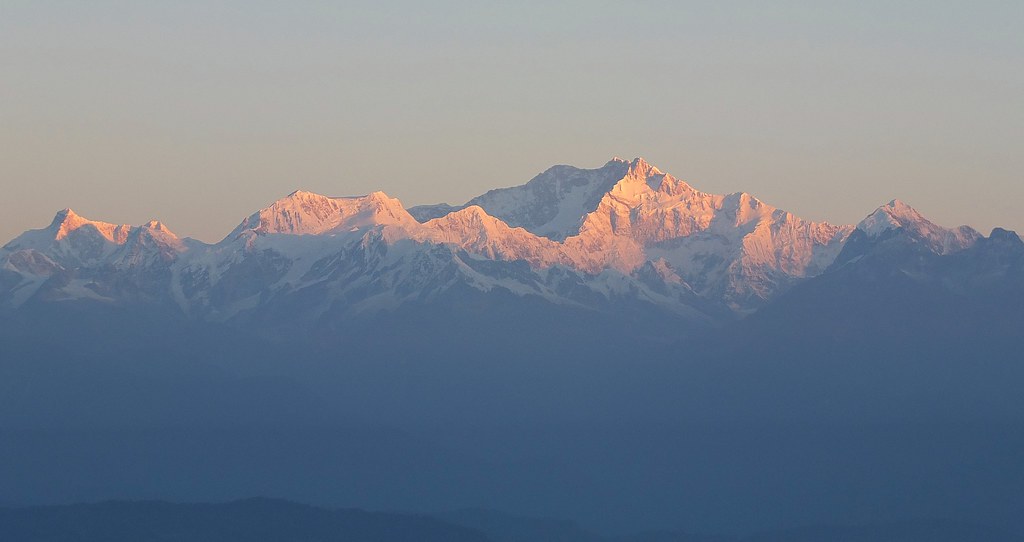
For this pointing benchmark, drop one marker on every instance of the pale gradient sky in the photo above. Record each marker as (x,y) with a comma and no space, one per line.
(199,113)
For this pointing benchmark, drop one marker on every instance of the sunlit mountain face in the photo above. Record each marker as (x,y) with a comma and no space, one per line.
(625,230)
(610,346)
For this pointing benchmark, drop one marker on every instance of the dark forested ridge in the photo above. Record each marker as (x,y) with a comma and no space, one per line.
(271,520)
(253,520)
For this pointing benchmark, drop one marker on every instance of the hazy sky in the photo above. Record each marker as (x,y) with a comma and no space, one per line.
(199,113)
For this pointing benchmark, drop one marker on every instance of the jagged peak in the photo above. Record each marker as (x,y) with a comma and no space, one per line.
(898,215)
(640,166)
(308,213)
(64,215)
(67,221)
(156,225)
(895,214)
(637,163)
(899,208)
(640,170)
(147,237)
(640,173)
(471,214)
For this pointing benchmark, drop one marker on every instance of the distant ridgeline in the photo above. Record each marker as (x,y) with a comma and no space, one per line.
(268,520)
(610,345)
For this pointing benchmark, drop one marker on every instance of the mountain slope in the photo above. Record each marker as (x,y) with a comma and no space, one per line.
(72,240)
(898,327)
(553,203)
(731,247)
(734,248)
(899,215)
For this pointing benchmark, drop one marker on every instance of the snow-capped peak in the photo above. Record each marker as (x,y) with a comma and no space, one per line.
(898,215)
(471,228)
(67,221)
(156,225)
(63,216)
(553,203)
(639,166)
(70,240)
(307,213)
(65,228)
(473,212)
(895,214)
(468,221)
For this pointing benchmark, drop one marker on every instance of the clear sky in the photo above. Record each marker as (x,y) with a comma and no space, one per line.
(199,113)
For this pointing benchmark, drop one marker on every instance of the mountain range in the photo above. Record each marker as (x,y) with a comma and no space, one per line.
(595,239)
(610,346)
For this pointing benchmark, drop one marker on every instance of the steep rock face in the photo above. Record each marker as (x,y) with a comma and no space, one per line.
(553,203)
(625,214)
(734,247)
